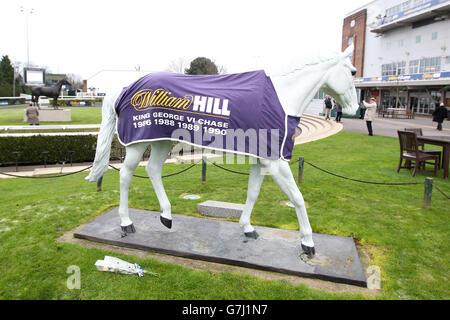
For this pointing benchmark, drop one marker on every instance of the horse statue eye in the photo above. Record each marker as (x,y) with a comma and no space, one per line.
(353,72)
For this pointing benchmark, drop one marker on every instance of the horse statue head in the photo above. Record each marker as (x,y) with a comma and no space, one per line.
(64,81)
(339,82)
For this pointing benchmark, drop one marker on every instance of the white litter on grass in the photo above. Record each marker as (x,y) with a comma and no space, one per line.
(113,264)
(191,197)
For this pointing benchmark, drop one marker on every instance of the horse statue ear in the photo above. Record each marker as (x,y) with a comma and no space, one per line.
(349,51)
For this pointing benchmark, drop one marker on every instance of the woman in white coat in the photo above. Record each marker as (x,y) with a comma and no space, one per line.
(371,109)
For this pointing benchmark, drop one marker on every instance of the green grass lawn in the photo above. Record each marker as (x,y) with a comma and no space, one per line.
(80,115)
(408,243)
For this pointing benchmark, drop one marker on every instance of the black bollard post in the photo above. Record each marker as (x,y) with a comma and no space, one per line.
(99,184)
(70,153)
(427,193)
(203,169)
(301,163)
(16,153)
(121,158)
(45,153)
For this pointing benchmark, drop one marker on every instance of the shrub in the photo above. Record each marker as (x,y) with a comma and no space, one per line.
(31,148)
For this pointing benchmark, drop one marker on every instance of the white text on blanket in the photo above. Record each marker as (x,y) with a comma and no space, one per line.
(211,105)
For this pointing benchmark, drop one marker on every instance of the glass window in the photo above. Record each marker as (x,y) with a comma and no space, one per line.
(393,69)
(434,35)
(401,66)
(414,66)
(400,43)
(406,5)
(430,65)
(418,39)
(350,40)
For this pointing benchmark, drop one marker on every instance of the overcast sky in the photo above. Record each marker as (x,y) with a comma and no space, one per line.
(84,37)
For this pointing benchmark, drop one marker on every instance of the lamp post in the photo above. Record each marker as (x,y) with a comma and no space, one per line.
(27,11)
(15,70)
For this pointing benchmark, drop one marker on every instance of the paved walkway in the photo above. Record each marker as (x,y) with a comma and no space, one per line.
(388,126)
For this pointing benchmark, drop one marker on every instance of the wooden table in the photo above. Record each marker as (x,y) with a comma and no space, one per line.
(444,142)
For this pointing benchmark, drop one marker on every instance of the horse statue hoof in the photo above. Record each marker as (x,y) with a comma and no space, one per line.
(166,222)
(253,234)
(309,251)
(127,229)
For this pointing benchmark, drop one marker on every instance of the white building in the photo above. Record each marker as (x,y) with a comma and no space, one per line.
(402,52)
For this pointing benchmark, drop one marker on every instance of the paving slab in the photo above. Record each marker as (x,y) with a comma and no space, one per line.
(224,242)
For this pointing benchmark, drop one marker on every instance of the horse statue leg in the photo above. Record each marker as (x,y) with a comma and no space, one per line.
(254,185)
(282,175)
(133,155)
(159,153)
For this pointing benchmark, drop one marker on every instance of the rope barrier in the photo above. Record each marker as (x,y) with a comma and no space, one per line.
(362,181)
(232,171)
(166,176)
(229,170)
(444,194)
(46,177)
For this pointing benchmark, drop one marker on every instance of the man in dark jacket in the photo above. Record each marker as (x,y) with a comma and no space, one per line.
(328,106)
(439,115)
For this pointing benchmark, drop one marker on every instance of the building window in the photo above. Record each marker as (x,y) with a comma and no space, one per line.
(434,35)
(352,23)
(414,66)
(430,65)
(418,39)
(401,67)
(398,8)
(393,69)
(400,43)
(350,40)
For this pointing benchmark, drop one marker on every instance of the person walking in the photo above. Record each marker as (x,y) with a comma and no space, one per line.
(32,114)
(338,108)
(439,115)
(328,106)
(371,109)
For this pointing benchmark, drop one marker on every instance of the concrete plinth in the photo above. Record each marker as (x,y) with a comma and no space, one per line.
(224,242)
(220,209)
(54,115)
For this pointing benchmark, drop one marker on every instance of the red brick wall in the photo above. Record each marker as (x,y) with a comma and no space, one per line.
(358,31)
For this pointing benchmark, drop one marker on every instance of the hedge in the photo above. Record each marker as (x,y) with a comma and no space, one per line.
(12,101)
(31,148)
(76,102)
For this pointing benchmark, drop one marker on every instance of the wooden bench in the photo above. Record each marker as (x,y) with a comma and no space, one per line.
(397,113)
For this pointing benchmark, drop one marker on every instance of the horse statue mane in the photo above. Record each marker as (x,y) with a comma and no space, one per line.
(299,63)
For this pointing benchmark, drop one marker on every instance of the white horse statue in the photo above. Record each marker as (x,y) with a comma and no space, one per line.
(295,89)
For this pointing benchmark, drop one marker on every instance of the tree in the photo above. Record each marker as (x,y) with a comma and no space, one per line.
(178,66)
(6,79)
(202,65)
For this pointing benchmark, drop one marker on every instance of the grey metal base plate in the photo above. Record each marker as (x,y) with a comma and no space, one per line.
(224,242)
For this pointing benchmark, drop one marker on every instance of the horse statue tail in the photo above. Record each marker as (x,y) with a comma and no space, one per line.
(104,140)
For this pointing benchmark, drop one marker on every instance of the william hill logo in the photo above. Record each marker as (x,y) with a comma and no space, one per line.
(148,98)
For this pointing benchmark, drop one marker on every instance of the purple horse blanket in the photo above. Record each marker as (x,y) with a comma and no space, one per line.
(238,113)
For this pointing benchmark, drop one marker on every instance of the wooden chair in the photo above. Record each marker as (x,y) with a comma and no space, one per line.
(410,152)
(419,133)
